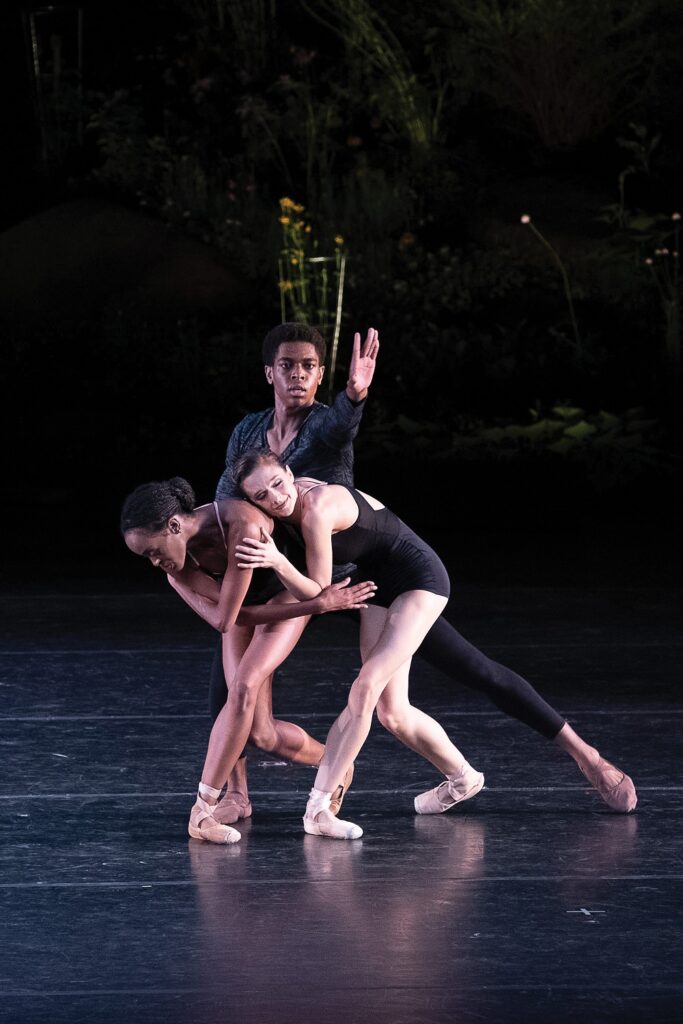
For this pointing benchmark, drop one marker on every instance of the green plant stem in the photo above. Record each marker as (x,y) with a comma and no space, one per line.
(567,287)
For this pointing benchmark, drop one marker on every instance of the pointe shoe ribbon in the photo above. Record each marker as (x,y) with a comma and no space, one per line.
(340,792)
(319,820)
(620,795)
(213,831)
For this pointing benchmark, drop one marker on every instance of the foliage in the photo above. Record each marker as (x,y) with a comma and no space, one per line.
(310,283)
(398,125)
(612,448)
(568,66)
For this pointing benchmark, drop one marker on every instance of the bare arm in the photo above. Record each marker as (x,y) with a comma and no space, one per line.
(317,522)
(337,597)
(219,605)
(201,593)
(263,554)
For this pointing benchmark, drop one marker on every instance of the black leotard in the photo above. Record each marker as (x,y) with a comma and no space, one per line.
(389,553)
(443,646)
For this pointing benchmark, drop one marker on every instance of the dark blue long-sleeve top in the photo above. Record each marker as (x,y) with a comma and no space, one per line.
(323,447)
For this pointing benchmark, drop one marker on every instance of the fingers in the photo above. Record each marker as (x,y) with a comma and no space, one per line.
(251,553)
(371,346)
(249,542)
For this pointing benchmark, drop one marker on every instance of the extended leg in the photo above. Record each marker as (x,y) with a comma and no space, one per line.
(447,650)
(613,785)
(461,661)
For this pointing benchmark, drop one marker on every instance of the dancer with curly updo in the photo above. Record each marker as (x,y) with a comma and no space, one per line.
(341,524)
(195,547)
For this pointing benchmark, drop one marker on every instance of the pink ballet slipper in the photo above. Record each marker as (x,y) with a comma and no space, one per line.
(614,786)
(202,812)
(454,790)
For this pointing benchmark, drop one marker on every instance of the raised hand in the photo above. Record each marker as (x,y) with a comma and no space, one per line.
(362,367)
(340,596)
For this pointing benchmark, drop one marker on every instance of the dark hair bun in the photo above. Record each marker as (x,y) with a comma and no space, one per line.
(181,489)
(151,505)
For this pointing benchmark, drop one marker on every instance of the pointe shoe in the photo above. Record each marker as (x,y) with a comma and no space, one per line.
(324,823)
(231,808)
(463,786)
(340,792)
(614,786)
(213,831)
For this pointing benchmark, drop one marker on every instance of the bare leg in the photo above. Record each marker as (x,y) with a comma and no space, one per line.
(408,724)
(276,736)
(613,785)
(425,736)
(401,629)
(400,634)
(235,803)
(414,728)
(267,649)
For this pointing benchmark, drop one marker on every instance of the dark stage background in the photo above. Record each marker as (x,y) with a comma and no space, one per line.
(526,411)
(168,169)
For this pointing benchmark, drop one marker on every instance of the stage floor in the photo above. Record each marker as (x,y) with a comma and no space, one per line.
(531,902)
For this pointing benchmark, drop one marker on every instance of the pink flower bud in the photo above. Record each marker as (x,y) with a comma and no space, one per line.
(525,218)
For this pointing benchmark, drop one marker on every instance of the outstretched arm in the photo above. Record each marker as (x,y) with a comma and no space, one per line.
(201,593)
(335,598)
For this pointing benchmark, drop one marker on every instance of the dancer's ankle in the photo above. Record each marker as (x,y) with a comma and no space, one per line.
(318,800)
(208,793)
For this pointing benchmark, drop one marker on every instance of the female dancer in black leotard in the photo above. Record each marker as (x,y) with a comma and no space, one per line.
(340,524)
(195,547)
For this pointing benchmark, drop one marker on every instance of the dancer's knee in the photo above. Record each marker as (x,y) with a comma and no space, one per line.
(363,697)
(392,718)
(264,738)
(243,693)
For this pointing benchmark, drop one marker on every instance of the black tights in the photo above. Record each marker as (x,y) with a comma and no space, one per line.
(447,650)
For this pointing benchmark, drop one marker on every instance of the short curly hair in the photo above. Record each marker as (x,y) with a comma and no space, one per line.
(292,332)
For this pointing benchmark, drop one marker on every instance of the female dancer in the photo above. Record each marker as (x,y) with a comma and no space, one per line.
(195,548)
(340,524)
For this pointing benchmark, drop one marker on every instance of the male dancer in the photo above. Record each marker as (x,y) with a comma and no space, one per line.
(317,441)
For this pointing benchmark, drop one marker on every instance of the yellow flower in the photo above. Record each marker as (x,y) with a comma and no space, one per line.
(284,220)
(286,204)
(286,286)
(338,240)
(298,208)
(295,261)
(307,229)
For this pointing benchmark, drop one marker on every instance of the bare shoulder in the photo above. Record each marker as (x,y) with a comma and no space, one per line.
(332,504)
(235,512)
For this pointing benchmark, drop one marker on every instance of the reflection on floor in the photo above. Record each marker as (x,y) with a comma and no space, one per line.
(531,903)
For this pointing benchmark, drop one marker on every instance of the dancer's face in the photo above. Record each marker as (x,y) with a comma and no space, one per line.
(271,488)
(295,374)
(166,549)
